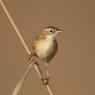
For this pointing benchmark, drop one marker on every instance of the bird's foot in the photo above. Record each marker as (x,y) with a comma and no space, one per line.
(31,56)
(45,81)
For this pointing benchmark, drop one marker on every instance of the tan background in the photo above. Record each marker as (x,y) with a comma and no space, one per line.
(73,68)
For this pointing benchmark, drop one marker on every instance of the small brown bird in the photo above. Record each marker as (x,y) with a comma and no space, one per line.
(45,46)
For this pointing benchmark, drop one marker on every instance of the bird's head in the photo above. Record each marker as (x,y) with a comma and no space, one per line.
(52,31)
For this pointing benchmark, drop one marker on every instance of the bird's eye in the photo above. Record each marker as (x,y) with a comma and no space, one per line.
(51,30)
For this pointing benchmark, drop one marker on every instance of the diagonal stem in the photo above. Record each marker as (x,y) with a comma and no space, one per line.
(18,87)
(22,80)
(15,27)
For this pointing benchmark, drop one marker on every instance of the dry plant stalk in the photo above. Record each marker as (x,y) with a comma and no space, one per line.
(22,80)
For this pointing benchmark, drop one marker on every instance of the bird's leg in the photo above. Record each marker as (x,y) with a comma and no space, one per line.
(47,71)
(46,79)
(38,69)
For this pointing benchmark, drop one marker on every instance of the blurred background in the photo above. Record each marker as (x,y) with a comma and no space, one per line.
(72,69)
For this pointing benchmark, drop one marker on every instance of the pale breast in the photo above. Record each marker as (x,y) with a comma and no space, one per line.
(46,49)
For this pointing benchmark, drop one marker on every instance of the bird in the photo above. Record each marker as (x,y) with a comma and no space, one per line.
(45,46)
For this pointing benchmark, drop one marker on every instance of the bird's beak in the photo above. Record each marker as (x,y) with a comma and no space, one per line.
(58,32)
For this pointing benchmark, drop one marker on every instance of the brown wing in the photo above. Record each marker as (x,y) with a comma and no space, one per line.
(38,38)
